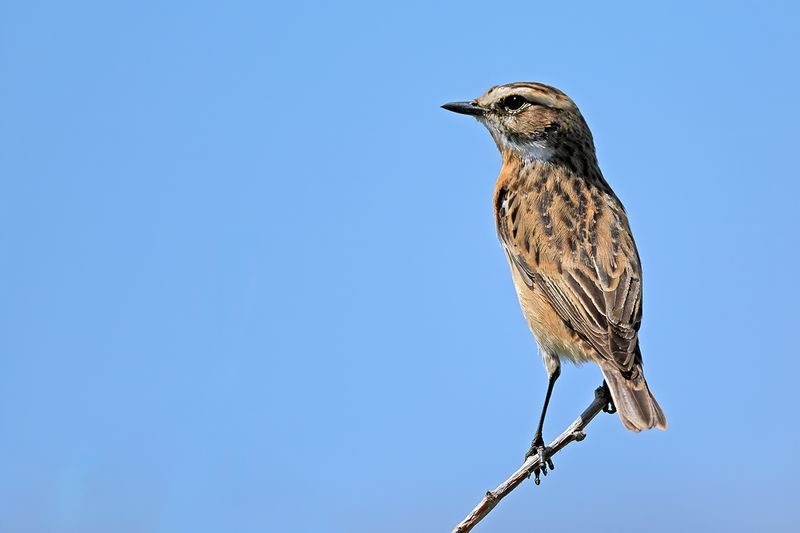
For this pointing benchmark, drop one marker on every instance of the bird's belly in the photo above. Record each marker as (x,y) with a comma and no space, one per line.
(554,336)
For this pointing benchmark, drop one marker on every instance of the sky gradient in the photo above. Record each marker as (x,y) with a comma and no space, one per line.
(251,282)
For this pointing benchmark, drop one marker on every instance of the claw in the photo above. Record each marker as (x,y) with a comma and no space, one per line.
(544,462)
(536,447)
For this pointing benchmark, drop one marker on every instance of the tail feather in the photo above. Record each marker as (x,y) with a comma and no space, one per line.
(636,406)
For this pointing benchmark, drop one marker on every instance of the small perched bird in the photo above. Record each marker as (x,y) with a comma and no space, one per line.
(565,233)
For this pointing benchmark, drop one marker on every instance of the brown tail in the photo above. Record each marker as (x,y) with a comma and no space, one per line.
(637,407)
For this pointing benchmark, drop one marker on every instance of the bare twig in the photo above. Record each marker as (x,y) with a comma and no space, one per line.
(573,433)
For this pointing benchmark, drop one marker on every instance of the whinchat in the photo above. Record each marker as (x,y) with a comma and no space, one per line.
(565,233)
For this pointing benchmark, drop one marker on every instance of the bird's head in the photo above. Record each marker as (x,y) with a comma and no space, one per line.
(530,120)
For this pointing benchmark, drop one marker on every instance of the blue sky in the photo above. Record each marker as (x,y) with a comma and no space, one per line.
(250,279)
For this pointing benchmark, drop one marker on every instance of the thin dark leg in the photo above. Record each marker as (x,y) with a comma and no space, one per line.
(537,438)
(537,446)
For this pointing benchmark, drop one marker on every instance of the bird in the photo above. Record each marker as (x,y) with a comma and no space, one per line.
(566,236)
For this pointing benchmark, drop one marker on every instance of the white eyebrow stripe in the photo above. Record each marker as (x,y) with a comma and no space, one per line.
(533,94)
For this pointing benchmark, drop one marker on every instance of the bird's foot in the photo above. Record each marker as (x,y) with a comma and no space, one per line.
(609,408)
(543,459)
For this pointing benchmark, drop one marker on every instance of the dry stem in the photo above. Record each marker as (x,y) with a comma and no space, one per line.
(573,433)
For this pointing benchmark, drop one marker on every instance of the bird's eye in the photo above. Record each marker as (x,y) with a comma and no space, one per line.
(514,102)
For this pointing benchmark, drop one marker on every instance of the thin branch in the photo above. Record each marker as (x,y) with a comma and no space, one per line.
(573,433)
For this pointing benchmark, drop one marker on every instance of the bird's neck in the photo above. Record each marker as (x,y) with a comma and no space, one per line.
(573,163)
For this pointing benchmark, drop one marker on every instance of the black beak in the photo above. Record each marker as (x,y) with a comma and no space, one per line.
(465,108)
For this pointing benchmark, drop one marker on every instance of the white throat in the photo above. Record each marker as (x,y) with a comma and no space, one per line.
(528,150)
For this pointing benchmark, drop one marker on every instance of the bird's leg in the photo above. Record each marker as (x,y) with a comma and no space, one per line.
(610,407)
(537,445)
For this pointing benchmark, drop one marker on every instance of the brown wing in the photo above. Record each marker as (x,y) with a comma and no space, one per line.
(574,244)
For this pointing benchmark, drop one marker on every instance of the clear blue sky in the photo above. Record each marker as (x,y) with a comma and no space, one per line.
(250,280)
